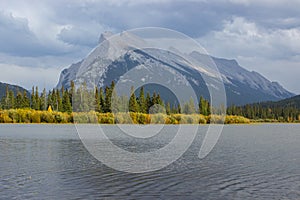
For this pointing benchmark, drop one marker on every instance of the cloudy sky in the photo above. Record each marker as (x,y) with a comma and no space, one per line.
(40,38)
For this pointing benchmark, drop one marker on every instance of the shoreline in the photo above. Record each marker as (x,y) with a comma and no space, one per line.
(29,116)
(71,124)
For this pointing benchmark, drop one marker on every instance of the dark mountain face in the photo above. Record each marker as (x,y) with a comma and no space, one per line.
(241,85)
(293,102)
(14,88)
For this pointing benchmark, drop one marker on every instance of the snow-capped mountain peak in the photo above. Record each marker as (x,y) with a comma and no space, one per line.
(114,56)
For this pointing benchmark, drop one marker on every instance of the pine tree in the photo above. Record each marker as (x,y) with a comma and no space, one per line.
(97,105)
(204,107)
(84,98)
(19,100)
(6,102)
(153,99)
(11,100)
(142,101)
(148,102)
(43,100)
(37,99)
(174,109)
(25,100)
(178,109)
(58,101)
(66,102)
(159,101)
(32,99)
(101,100)
(168,108)
(107,104)
(116,103)
(189,107)
(133,105)
(72,91)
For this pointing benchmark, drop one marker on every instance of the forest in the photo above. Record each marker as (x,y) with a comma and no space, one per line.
(105,106)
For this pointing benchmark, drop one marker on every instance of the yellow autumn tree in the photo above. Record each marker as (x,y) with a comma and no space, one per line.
(50,108)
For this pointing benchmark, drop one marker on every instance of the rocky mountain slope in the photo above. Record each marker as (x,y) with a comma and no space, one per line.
(111,60)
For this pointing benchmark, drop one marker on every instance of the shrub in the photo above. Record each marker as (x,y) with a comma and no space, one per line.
(35,117)
(177,117)
(231,119)
(158,118)
(106,118)
(24,115)
(216,119)
(141,118)
(80,118)
(47,117)
(123,118)
(171,120)
(92,117)
(189,119)
(4,118)
(60,117)
(202,119)
(133,117)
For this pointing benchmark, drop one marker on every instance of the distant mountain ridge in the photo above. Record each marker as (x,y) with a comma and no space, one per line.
(14,88)
(241,85)
(293,102)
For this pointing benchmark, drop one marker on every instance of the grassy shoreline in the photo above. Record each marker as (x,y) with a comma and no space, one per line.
(29,116)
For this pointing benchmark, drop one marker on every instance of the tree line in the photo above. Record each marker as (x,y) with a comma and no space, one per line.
(105,100)
(258,111)
(101,100)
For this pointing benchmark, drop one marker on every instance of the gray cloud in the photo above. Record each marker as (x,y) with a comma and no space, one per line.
(16,38)
(77,36)
(261,35)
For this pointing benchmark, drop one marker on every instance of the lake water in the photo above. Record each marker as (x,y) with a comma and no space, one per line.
(249,162)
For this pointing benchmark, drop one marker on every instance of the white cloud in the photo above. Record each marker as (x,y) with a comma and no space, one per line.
(240,37)
(274,53)
(28,76)
(52,33)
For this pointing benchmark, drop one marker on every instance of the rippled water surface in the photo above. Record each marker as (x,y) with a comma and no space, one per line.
(248,162)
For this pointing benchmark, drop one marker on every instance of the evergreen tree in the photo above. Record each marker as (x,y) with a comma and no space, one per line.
(97,105)
(142,101)
(11,100)
(174,109)
(101,100)
(66,102)
(32,98)
(72,91)
(25,100)
(204,107)
(178,109)
(168,108)
(148,102)
(43,100)
(133,105)
(107,104)
(189,107)
(19,100)
(153,99)
(37,99)
(85,98)
(58,101)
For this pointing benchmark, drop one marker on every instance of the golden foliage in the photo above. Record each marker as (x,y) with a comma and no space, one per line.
(92,117)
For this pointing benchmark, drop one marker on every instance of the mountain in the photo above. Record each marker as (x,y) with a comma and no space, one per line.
(14,88)
(248,87)
(293,102)
(114,58)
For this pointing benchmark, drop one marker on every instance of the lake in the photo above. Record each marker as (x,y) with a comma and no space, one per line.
(249,162)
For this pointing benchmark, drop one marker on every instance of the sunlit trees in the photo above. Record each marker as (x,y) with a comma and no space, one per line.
(82,99)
